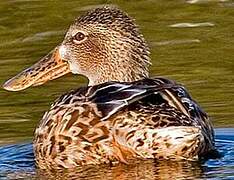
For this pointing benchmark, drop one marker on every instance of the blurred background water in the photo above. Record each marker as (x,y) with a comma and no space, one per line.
(191,42)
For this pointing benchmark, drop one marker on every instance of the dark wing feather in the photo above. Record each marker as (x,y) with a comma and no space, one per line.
(111,97)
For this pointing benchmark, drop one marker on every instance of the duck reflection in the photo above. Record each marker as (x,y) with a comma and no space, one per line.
(135,170)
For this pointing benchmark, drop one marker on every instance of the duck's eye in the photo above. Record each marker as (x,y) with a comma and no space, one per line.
(79,37)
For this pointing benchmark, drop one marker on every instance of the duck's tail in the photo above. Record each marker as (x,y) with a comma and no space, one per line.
(175,142)
(179,142)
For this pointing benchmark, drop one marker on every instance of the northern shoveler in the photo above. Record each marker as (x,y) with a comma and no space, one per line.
(122,114)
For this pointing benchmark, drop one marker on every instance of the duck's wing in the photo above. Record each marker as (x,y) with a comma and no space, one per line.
(112,97)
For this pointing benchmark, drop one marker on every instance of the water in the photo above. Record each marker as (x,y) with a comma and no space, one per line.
(191,42)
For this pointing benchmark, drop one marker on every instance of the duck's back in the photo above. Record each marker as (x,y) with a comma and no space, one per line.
(150,118)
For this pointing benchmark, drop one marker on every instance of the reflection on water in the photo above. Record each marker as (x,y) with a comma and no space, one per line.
(136,170)
(17,161)
(191,42)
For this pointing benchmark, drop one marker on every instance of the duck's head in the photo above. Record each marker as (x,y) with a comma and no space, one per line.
(104,45)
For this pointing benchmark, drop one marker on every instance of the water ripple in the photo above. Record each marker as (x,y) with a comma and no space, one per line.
(192,25)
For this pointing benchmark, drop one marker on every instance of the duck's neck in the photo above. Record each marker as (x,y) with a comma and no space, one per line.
(122,73)
(126,63)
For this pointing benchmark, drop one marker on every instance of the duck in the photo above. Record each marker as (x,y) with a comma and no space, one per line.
(122,114)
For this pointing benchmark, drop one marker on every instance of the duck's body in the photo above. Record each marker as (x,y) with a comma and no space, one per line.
(122,114)
(150,118)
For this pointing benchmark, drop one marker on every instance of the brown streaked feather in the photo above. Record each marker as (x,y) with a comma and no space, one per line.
(118,121)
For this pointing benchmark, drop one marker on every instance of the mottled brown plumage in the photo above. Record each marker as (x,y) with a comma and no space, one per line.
(122,114)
